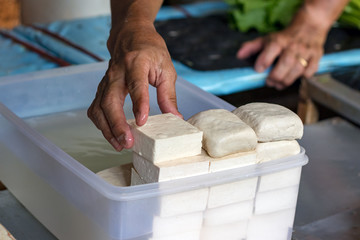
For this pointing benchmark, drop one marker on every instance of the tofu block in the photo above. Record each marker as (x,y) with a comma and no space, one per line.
(135,178)
(173,169)
(6,235)
(165,137)
(232,192)
(236,160)
(119,176)
(224,133)
(232,231)
(276,200)
(182,203)
(274,226)
(170,226)
(271,122)
(229,213)
(278,180)
(192,235)
(268,151)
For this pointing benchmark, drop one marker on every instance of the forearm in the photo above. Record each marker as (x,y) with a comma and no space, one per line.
(133,11)
(132,14)
(320,13)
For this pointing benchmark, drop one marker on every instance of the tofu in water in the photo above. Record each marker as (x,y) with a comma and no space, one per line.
(135,178)
(268,151)
(170,170)
(235,160)
(118,176)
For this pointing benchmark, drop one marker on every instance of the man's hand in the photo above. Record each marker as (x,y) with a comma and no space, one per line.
(139,57)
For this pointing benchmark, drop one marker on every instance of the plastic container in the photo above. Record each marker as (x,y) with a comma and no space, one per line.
(74,203)
(43,11)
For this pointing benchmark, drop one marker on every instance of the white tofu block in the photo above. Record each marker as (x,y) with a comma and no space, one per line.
(165,137)
(273,226)
(229,213)
(224,133)
(233,192)
(236,160)
(232,231)
(118,176)
(276,200)
(193,235)
(268,151)
(271,122)
(282,179)
(170,226)
(183,202)
(173,169)
(6,235)
(135,178)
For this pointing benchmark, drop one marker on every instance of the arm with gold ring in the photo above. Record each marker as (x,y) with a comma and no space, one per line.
(298,47)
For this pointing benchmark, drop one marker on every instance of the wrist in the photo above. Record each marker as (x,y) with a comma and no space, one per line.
(311,22)
(129,31)
(318,15)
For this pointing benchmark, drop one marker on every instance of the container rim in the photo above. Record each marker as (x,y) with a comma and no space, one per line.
(206,180)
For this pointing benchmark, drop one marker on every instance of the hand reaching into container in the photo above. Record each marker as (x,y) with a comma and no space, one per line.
(299,47)
(139,57)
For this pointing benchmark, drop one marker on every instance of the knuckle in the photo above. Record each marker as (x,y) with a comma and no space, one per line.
(275,77)
(89,112)
(107,100)
(135,85)
(129,58)
(115,126)
(289,59)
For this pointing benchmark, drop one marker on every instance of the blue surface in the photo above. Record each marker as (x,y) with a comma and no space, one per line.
(15,59)
(92,34)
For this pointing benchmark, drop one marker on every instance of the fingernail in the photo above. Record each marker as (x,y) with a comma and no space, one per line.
(140,118)
(115,144)
(124,140)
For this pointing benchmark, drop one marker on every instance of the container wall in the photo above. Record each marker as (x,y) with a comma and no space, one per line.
(74,203)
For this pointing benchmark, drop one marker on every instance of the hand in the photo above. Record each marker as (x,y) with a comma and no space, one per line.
(297,49)
(139,57)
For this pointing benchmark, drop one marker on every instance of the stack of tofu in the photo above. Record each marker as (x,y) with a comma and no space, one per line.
(168,148)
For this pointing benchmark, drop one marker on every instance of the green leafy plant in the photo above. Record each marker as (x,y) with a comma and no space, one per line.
(351,14)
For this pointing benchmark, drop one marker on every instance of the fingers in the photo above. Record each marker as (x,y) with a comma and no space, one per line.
(112,104)
(106,112)
(250,48)
(295,59)
(137,74)
(99,120)
(166,97)
(271,51)
(313,64)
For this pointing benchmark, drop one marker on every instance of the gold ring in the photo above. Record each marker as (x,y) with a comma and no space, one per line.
(303,62)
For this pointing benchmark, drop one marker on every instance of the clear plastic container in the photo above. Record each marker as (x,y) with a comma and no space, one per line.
(74,203)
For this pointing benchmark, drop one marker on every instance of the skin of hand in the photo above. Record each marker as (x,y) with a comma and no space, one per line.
(299,47)
(139,57)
